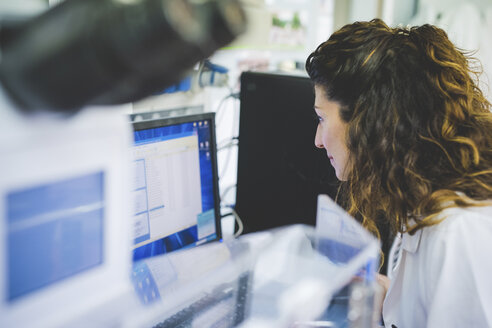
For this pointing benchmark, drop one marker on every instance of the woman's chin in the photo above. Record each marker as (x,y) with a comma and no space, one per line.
(340,175)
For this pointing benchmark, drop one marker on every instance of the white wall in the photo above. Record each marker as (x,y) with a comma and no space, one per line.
(468,23)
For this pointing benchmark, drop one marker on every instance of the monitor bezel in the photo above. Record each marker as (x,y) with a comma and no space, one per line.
(209,116)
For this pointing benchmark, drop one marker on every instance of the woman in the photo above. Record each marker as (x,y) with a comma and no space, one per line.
(410,135)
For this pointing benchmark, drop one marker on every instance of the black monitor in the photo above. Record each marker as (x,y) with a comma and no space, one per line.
(176,186)
(280,171)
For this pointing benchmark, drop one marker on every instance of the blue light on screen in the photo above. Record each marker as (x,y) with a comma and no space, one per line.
(189,236)
(55,231)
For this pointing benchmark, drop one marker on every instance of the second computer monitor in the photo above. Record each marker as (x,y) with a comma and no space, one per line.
(176,186)
(280,171)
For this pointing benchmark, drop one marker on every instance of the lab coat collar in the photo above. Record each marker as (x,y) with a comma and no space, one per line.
(411,243)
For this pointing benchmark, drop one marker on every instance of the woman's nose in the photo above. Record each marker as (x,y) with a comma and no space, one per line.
(317,139)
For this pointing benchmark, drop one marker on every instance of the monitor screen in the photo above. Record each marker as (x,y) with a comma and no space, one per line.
(280,171)
(55,231)
(64,219)
(176,187)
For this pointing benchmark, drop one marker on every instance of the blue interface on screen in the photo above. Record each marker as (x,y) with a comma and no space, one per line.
(54,231)
(173,188)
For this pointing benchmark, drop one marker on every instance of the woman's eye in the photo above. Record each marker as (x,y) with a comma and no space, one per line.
(317,117)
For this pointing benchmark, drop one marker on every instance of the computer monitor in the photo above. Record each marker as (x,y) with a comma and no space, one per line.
(55,231)
(280,171)
(63,204)
(176,185)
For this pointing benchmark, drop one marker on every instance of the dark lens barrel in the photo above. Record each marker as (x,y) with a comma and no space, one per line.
(86,52)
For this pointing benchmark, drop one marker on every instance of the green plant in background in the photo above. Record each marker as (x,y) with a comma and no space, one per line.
(278,22)
(296,21)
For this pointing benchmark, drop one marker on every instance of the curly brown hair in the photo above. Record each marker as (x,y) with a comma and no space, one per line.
(419,130)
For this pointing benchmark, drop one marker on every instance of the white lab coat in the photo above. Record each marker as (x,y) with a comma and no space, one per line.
(443,274)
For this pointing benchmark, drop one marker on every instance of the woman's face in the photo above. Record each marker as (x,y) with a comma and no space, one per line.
(330,133)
